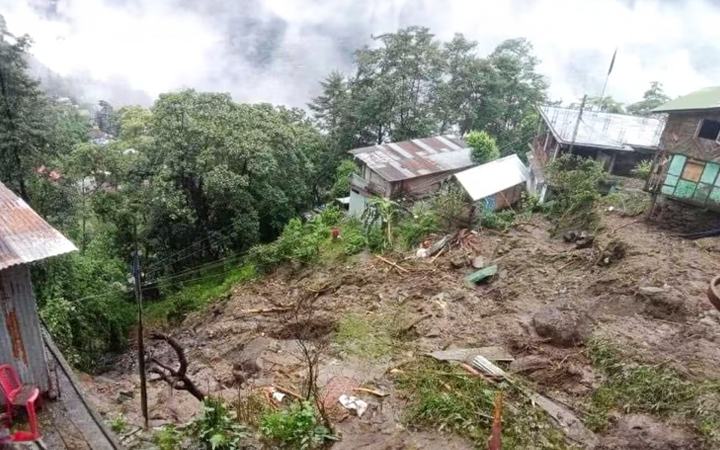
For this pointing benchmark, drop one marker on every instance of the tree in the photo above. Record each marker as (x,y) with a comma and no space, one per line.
(25,118)
(106,118)
(652,98)
(484,148)
(605,104)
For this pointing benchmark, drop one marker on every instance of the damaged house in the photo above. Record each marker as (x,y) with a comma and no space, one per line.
(411,169)
(688,165)
(498,184)
(620,141)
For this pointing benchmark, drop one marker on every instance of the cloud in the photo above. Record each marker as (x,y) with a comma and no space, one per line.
(277,50)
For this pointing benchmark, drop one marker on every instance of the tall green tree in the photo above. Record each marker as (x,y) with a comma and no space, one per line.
(25,117)
(652,98)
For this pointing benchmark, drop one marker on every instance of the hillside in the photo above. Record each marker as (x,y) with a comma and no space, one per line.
(626,339)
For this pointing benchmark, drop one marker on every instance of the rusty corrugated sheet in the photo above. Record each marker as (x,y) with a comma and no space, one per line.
(415,158)
(20,338)
(24,235)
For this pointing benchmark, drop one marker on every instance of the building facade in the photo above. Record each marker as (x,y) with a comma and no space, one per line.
(687,167)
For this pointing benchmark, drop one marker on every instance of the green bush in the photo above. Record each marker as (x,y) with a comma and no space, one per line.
(217,427)
(450,207)
(294,428)
(574,182)
(642,169)
(497,220)
(119,424)
(417,227)
(169,438)
(484,147)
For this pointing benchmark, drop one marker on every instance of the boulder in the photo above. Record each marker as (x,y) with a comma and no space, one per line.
(561,328)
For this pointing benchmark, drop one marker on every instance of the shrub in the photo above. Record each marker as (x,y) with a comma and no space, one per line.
(294,428)
(217,427)
(343,174)
(168,438)
(497,220)
(484,147)
(415,228)
(574,181)
(118,424)
(642,169)
(450,207)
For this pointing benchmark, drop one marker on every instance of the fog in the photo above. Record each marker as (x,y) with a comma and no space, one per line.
(129,51)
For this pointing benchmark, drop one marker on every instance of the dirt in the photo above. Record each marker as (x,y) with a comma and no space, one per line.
(672,324)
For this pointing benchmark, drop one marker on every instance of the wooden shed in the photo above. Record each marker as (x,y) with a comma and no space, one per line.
(24,238)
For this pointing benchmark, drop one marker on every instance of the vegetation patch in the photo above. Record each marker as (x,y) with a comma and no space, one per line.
(217,427)
(295,428)
(660,391)
(365,336)
(446,398)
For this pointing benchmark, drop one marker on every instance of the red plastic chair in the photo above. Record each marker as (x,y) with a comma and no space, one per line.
(17,394)
(34,434)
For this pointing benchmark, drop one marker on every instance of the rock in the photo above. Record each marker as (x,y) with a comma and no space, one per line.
(529,363)
(561,328)
(245,365)
(478,262)
(458,262)
(641,432)
(433,333)
(584,241)
(124,396)
(570,236)
(651,290)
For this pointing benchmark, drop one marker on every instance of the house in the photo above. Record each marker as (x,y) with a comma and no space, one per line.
(24,238)
(498,184)
(687,169)
(620,141)
(411,169)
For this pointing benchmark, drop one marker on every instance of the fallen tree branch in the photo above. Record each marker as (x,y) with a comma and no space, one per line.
(289,392)
(370,391)
(249,312)
(176,378)
(387,261)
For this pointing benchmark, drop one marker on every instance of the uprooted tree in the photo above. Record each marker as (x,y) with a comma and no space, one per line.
(176,378)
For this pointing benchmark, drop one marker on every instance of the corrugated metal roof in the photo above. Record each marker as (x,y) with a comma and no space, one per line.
(24,235)
(415,158)
(603,130)
(705,98)
(493,177)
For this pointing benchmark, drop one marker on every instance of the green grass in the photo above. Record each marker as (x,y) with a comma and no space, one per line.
(195,296)
(445,398)
(657,390)
(365,336)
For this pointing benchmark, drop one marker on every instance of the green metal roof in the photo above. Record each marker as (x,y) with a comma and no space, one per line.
(705,98)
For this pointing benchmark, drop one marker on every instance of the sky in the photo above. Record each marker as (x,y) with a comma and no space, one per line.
(129,51)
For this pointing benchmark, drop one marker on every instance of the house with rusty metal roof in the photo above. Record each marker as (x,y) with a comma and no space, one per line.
(24,238)
(411,169)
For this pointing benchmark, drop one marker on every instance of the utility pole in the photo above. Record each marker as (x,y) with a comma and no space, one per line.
(577,124)
(141,342)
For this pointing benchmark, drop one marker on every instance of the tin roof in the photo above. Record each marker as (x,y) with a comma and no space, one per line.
(418,157)
(705,98)
(603,130)
(493,177)
(24,235)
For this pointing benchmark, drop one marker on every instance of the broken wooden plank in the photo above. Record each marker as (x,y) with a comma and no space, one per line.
(495,353)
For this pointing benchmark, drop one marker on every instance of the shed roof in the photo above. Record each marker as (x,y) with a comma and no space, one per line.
(705,98)
(603,130)
(493,177)
(418,157)
(24,235)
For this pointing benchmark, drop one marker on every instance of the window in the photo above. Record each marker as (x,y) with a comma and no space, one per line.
(709,129)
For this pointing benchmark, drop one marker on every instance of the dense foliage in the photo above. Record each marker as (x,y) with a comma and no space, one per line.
(574,182)
(484,148)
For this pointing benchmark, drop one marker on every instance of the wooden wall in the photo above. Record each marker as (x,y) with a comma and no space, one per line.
(679,136)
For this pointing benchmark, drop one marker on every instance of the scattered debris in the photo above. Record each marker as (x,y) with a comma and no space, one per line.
(278,396)
(373,392)
(353,404)
(482,274)
(581,239)
(438,246)
(485,366)
(467,354)
(613,252)
(561,328)
(566,420)
(478,262)
(289,392)
(395,265)
(529,363)
(496,431)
